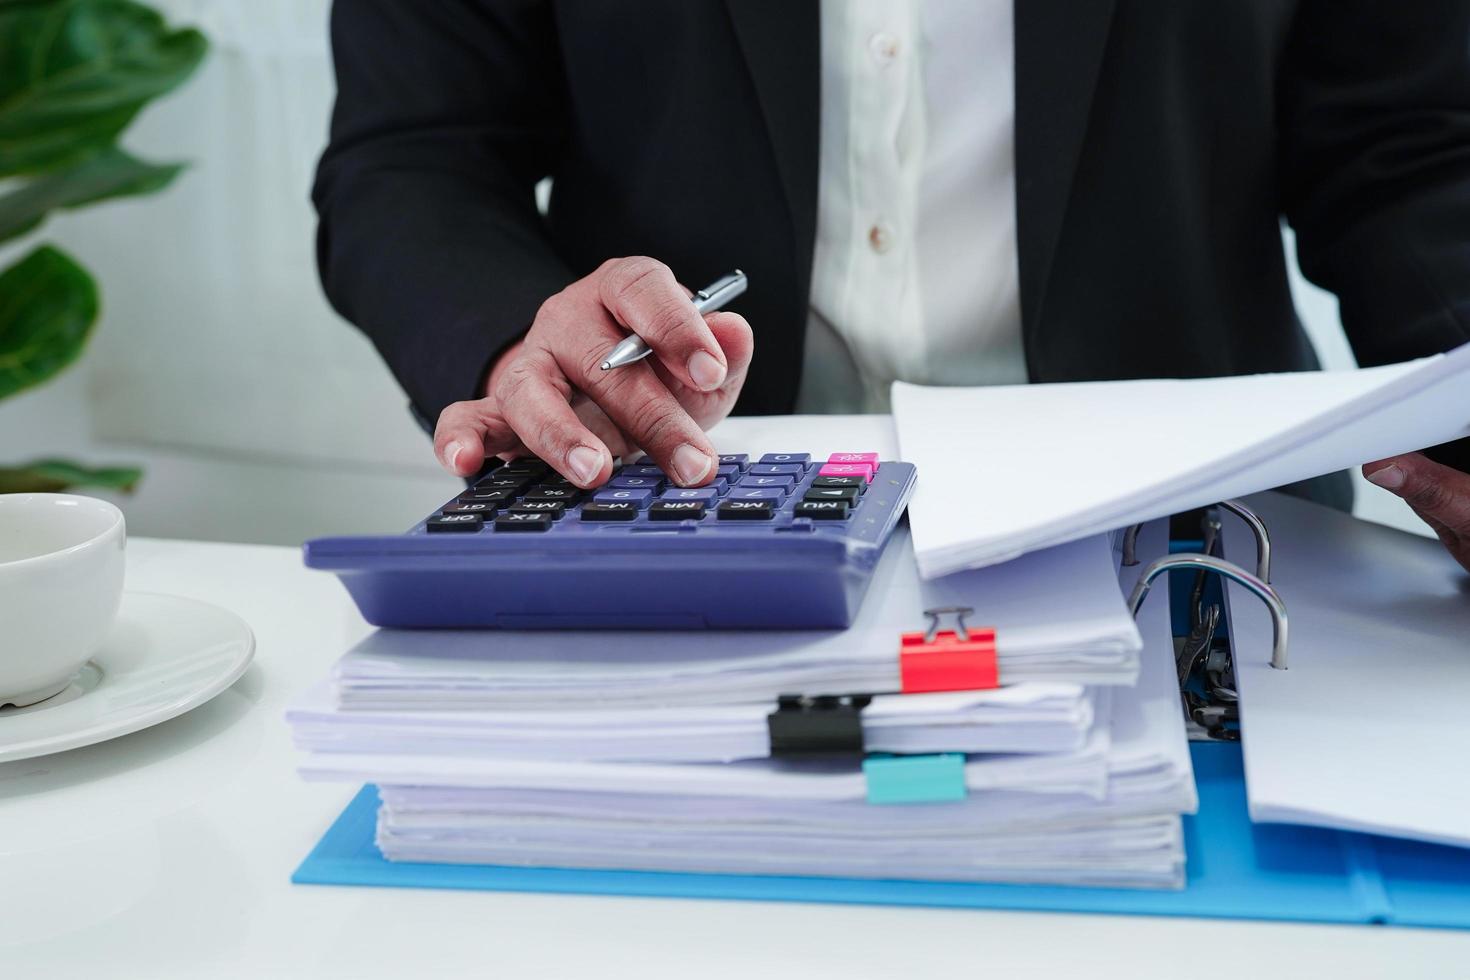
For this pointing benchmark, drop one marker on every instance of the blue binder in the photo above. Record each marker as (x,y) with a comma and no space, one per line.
(1237,870)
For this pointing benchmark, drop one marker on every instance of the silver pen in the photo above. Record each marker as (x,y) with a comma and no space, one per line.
(707,300)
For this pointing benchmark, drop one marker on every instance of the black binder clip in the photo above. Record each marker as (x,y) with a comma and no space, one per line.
(826,724)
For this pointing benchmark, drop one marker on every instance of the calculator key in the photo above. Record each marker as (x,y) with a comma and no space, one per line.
(525,465)
(638,496)
(780,458)
(556,480)
(544,492)
(702,494)
(846,494)
(454,523)
(735,459)
(777,469)
(497,483)
(868,459)
(823,510)
(622,482)
(728,470)
(841,481)
(475,493)
(847,469)
(483,507)
(756,493)
(784,482)
(620,511)
(555,508)
(641,469)
(746,510)
(512,521)
(676,510)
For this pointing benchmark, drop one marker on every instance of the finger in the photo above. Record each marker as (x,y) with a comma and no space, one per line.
(732,332)
(709,407)
(596,419)
(538,410)
(468,431)
(1437,493)
(643,295)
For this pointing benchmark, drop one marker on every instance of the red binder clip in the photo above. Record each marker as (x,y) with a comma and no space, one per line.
(961,659)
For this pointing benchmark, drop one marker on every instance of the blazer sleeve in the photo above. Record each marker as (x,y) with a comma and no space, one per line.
(447,115)
(1374,110)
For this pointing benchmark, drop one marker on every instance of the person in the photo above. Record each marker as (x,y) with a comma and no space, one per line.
(942,191)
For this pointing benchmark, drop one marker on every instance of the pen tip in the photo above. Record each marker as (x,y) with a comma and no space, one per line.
(607,365)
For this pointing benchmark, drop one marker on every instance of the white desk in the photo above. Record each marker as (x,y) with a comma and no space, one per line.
(167,854)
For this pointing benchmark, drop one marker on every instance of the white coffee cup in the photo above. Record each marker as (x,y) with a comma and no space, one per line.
(61,578)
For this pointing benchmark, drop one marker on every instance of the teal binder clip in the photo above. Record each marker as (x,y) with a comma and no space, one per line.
(915,778)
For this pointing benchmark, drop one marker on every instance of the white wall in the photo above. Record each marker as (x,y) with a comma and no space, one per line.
(258,415)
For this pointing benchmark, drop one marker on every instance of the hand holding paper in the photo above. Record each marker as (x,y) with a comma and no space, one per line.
(1440,495)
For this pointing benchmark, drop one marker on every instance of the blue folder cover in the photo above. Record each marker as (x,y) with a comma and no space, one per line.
(1237,870)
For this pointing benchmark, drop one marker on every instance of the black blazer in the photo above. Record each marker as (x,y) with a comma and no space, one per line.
(1158,145)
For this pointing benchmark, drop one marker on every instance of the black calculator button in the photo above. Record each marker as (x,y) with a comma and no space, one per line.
(844,494)
(483,507)
(493,496)
(522,467)
(566,494)
(511,521)
(455,523)
(823,510)
(746,510)
(615,511)
(841,481)
(553,507)
(499,483)
(557,480)
(676,510)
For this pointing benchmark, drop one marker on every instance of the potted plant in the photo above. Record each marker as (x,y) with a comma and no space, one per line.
(73,76)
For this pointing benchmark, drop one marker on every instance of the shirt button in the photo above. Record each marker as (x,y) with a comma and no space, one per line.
(884,48)
(880,237)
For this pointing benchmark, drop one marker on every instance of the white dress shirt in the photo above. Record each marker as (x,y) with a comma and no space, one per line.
(914,275)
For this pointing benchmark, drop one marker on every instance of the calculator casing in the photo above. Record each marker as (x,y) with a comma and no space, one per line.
(788,573)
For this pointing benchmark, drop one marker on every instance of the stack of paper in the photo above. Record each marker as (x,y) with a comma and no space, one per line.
(1057,614)
(1084,458)
(1105,815)
(1034,717)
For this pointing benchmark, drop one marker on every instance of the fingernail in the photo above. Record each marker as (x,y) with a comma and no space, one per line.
(1389,478)
(451,454)
(690,464)
(706,370)
(585,463)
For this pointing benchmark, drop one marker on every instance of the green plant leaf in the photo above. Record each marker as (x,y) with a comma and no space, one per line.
(56,475)
(110,173)
(48,305)
(74,73)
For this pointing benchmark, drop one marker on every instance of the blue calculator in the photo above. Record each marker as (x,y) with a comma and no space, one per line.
(781,541)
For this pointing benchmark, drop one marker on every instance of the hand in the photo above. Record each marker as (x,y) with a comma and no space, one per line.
(1438,494)
(548,395)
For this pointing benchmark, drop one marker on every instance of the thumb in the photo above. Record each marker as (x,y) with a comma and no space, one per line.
(1437,493)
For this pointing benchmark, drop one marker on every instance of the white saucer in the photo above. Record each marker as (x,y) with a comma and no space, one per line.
(164,656)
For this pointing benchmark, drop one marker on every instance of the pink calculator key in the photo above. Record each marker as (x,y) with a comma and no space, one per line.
(870,459)
(863,470)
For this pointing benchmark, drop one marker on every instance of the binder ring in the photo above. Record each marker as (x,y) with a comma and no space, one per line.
(1236,507)
(959,613)
(1263,536)
(1236,574)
